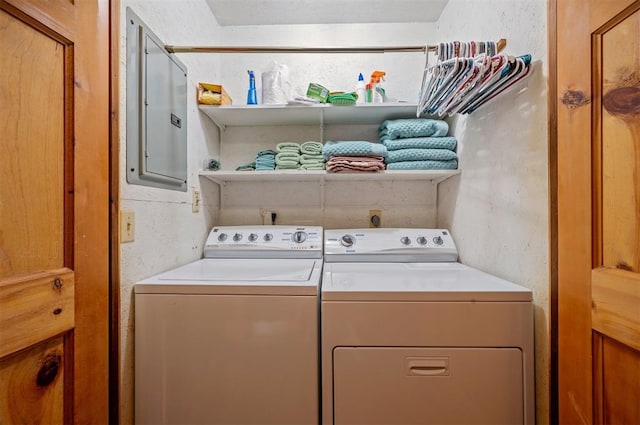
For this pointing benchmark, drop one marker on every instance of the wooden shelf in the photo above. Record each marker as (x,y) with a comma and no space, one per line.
(319,114)
(224,177)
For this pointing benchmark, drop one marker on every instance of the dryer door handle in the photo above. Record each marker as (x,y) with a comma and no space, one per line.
(427,366)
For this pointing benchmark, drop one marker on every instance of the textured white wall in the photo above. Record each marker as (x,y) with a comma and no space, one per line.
(337,72)
(167,233)
(497,209)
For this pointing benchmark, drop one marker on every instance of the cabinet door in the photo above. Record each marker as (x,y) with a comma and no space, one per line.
(428,385)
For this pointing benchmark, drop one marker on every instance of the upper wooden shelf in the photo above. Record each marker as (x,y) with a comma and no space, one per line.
(320,114)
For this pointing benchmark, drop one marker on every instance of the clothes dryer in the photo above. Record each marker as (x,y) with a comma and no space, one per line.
(411,336)
(232,338)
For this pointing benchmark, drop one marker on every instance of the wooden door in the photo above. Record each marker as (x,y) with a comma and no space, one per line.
(54,205)
(596,238)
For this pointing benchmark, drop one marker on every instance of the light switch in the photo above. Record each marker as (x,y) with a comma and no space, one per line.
(127,226)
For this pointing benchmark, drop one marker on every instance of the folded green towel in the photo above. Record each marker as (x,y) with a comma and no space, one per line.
(311,148)
(288,164)
(311,159)
(288,157)
(295,166)
(318,166)
(288,147)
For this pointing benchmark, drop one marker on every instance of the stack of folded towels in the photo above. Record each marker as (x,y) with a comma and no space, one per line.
(354,156)
(311,157)
(418,144)
(288,156)
(266,160)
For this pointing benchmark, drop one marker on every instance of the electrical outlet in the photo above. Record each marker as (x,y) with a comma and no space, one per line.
(127,226)
(195,201)
(375,218)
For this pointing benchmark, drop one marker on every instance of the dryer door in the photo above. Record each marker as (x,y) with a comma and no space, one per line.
(397,385)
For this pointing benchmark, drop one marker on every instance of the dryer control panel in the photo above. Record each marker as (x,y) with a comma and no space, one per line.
(389,245)
(264,242)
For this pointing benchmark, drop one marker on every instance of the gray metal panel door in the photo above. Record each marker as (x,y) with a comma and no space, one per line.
(165,113)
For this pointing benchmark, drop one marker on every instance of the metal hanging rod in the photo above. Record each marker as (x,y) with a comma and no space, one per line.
(217,49)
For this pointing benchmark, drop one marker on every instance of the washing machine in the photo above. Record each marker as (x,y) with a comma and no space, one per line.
(233,338)
(411,336)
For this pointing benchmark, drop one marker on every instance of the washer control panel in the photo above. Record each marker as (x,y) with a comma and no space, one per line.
(264,242)
(391,245)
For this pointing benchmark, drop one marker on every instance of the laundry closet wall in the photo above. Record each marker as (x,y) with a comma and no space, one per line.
(498,208)
(167,232)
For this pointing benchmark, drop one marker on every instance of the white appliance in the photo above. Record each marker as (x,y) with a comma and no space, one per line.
(232,338)
(410,336)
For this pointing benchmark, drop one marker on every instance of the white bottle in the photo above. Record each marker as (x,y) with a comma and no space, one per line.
(360,89)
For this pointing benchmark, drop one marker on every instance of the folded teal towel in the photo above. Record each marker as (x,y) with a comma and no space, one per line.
(353,148)
(288,147)
(247,167)
(311,148)
(424,165)
(267,152)
(417,127)
(311,159)
(420,155)
(421,143)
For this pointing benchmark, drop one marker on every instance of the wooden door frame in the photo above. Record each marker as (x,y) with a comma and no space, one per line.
(552,49)
(114,205)
(570,209)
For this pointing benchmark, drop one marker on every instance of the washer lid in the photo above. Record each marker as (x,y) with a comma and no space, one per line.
(452,282)
(238,276)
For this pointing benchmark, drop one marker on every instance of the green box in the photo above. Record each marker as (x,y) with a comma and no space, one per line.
(316,91)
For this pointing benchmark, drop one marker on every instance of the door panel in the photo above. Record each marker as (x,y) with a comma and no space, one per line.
(620,82)
(620,383)
(32,131)
(32,385)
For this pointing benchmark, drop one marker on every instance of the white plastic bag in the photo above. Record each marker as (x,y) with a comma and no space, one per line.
(275,85)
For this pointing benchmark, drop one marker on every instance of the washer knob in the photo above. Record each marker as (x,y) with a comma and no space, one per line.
(438,240)
(347,240)
(422,240)
(237,237)
(299,236)
(268,237)
(222,237)
(253,237)
(405,240)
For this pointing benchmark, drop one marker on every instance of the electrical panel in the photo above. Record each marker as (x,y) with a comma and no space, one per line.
(156,111)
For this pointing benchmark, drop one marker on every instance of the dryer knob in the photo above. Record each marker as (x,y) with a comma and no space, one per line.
(405,240)
(268,237)
(253,237)
(422,240)
(438,240)
(299,236)
(222,237)
(347,240)
(237,237)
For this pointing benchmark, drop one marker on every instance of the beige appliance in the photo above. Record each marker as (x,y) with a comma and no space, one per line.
(232,338)
(411,336)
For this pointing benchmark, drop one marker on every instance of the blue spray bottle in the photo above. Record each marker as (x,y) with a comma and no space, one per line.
(252,98)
